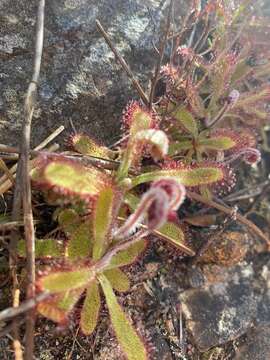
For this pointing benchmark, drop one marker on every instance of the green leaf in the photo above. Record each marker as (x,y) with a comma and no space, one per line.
(241,71)
(174,232)
(71,178)
(130,342)
(118,279)
(187,177)
(68,300)
(57,309)
(59,281)
(80,243)
(217,143)
(178,146)
(43,248)
(90,310)
(175,236)
(186,120)
(128,256)
(52,312)
(85,145)
(262,71)
(102,221)
(196,102)
(69,220)
(249,100)
(141,120)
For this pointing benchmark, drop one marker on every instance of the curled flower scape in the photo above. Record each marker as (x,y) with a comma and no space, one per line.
(249,155)
(175,191)
(155,207)
(230,102)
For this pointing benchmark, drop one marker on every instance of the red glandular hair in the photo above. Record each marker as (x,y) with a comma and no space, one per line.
(129,115)
(223,185)
(170,73)
(243,140)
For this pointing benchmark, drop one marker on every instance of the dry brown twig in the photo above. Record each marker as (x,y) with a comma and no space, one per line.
(229,211)
(5,184)
(25,306)
(16,343)
(10,225)
(100,162)
(123,63)
(22,193)
(161,55)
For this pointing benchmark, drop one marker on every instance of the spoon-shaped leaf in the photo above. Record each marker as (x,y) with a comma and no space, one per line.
(128,256)
(129,340)
(71,178)
(186,120)
(44,248)
(118,279)
(85,145)
(60,281)
(57,309)
(90,310)
(80,243)
(102,221)
(188,176)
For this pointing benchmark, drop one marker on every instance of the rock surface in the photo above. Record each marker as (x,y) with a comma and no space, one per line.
(80,80)
(232,301)
(256,346)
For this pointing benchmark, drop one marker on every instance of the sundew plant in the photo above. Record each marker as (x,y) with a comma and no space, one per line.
(110,202)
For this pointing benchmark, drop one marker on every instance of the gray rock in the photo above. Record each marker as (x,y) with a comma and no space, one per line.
(80,80)
(229,305)
(256,346)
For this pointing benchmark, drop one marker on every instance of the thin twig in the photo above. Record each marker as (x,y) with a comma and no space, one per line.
(108,164)
(23,172)
(10,149)
(50,138)
(5,184)
(16,342)
(228,211)
(4,167)
(8,328)
(249,192)
(9,157)
(161,55)
(123,63)
(10,225)
(25,306)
